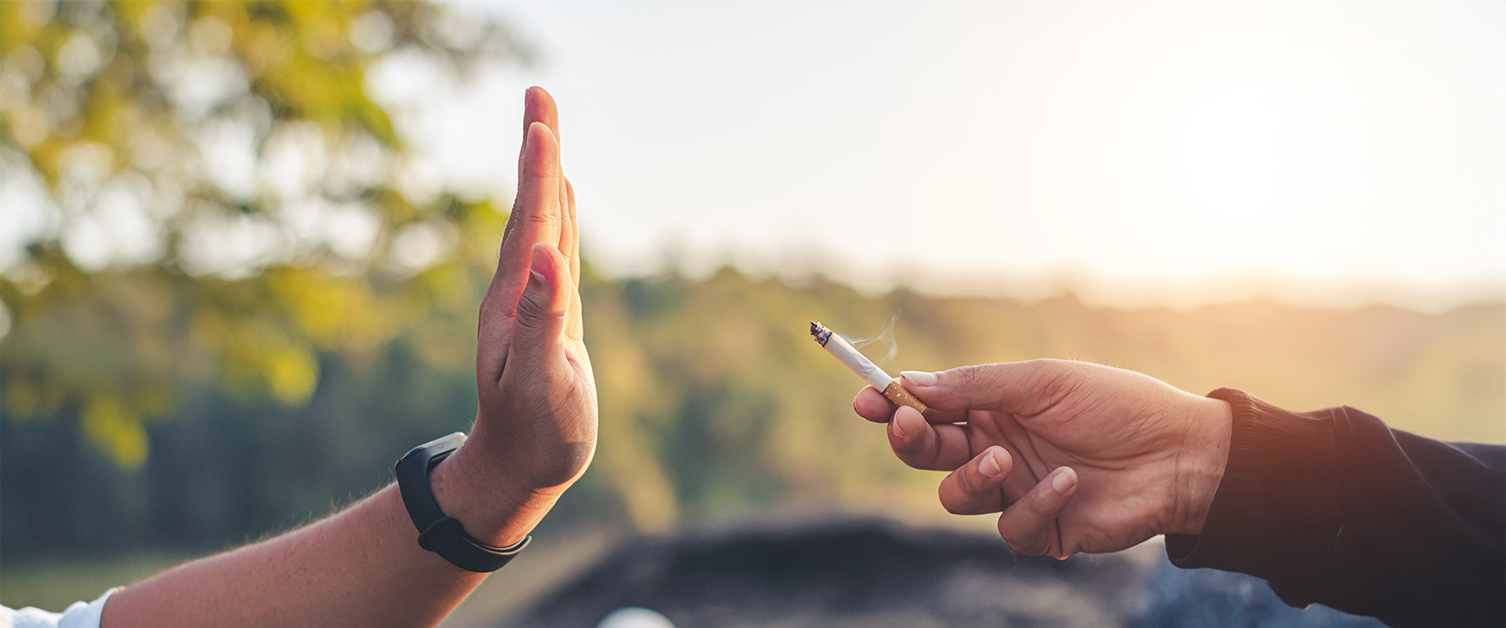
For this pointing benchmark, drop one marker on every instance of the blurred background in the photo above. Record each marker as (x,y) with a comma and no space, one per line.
(242,244)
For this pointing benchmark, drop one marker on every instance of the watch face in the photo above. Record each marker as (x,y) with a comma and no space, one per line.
(439,448)
(451,441)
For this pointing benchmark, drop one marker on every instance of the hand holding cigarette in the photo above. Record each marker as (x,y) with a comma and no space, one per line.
(1075,457)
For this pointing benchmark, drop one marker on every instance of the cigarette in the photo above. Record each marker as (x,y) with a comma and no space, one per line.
(865,368)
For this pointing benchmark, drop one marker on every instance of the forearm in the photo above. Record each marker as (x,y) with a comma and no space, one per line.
(360,567)
(1333,507)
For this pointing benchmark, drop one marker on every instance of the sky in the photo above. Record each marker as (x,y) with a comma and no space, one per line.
(1147,153)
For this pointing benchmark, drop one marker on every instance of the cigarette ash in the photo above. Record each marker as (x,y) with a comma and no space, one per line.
(820,333)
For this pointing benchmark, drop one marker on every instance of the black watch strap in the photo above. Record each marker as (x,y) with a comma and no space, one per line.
(436,532)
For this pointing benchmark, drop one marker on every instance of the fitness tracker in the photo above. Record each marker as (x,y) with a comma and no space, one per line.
(436,532)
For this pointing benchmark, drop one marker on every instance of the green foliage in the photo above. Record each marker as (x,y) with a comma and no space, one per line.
(219,189)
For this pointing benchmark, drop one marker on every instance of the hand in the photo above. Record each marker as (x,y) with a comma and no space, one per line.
(1076,457)
(535,430)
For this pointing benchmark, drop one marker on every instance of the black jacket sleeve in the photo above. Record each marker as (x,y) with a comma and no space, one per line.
(1335,508)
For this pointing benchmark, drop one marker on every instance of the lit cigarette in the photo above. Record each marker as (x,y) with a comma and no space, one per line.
(865,368)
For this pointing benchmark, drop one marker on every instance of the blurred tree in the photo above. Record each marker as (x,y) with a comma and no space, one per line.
(206,193)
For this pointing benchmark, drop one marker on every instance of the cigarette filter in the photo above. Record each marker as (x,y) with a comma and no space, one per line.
(865,368)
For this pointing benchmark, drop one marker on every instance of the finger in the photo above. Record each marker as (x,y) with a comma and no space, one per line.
(566,227)
(541,107)
(570,238)
(1028,525)
(975,487)
(535,218)
(575,327)
(540,329)
(538,106)
(932,413)
(925,446)
(1025,388)
(874,406)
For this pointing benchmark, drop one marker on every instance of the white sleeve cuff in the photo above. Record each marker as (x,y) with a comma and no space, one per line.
(85,616)
(79,615)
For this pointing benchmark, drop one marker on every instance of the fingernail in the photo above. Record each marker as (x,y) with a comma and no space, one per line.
(919,378)
(894,425)
(990,466)
(1065,479)
(539,270)
(536,150)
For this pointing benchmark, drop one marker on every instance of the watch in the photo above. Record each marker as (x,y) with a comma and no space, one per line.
(436,532)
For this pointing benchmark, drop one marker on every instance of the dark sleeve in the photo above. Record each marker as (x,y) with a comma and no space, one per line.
(1333,507)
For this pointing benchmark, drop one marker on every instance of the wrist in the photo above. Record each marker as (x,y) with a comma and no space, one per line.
(489,503)
(1200,463)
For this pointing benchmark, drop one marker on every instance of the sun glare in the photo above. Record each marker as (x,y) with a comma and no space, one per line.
(1263,144)
(1258,158)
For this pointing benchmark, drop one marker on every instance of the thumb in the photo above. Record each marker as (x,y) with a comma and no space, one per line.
(539,328)
(1013,387)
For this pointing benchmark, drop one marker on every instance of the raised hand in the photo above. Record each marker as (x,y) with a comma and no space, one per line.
(535,434)
(535,430)
(1075,457)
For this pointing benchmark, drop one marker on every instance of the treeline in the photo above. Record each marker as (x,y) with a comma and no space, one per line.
(713,401)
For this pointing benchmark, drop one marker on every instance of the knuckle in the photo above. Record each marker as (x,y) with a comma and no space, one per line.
(1042,372)
(1024,545)
(933,458)
(951,503)
(1015,541)
(1052,380)
(969,377)
(957,494)
(545,174)
(542,304)
(962,483)
(909,459)
(979,377)
(912,460)
(548,219)
(493,307)
(970,481)
(1041,505)
(532,314)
